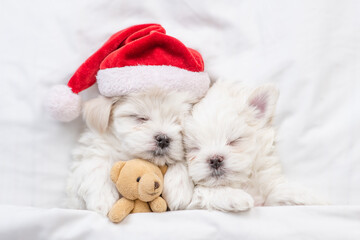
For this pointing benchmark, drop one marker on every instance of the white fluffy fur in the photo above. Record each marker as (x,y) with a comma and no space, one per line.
(122,81)
(62,104)
(124,128)
(234,121)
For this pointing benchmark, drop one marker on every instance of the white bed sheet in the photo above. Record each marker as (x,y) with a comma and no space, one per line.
(309,49)
(336,222)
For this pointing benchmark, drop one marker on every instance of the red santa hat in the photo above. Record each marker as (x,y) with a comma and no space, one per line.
(133,59)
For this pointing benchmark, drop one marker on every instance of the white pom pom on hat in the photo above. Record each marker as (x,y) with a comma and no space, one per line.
(132,60)
(62,104)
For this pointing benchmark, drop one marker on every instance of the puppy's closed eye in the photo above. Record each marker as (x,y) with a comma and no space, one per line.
(193,149)
(235,141)
(192,159)
(140,118)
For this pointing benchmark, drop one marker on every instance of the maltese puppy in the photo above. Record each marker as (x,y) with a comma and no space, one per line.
(231,155)
(145,125)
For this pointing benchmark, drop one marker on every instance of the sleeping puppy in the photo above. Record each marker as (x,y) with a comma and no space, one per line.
(145,125)
(230,145)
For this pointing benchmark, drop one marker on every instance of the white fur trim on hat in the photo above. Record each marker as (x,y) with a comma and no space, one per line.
(122,81)
(63,104)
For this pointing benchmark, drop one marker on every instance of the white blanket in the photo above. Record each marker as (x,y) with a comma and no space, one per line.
(336,222)
(309,49)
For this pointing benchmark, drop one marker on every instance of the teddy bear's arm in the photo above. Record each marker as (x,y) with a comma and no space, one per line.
(120,210)
(158,205)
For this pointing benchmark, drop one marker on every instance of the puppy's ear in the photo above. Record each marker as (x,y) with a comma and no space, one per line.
(263,102)
(188,101)
(96,113)
(115,170)
(163,169)
(190,98)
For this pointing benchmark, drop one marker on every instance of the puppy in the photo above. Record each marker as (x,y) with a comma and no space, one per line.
(230,145)
(145,125)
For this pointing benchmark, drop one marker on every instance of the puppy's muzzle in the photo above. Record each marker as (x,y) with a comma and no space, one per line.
(162,141)
(216,161)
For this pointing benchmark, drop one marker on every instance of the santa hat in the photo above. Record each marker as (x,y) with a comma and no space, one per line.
(133,59)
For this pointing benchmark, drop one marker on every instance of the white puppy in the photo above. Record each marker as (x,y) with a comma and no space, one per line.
(230,146)
(144,125)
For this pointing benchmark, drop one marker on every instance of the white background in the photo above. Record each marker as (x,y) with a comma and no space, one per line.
(309,49)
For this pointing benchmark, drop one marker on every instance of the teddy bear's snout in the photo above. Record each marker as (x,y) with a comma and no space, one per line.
(150,187)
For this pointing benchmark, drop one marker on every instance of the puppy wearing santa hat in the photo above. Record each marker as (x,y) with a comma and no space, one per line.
(148,82)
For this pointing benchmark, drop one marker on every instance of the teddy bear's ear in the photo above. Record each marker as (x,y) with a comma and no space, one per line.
(163,169)
(115,171)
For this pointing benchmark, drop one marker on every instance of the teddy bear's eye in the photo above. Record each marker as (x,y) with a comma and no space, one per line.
(138,179)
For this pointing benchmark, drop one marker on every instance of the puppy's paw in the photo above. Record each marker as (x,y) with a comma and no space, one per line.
(293,195)
(296,199)
(174,201)
(236,201)
(102,202)
(178,187)
(198,201)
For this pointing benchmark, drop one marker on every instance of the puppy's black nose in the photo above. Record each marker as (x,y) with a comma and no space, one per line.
(216,161)
(162,141)
(156,185)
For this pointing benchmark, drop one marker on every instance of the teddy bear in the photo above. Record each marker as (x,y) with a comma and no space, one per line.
(140,184)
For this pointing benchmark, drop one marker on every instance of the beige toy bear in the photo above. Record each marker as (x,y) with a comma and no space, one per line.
(140,184)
